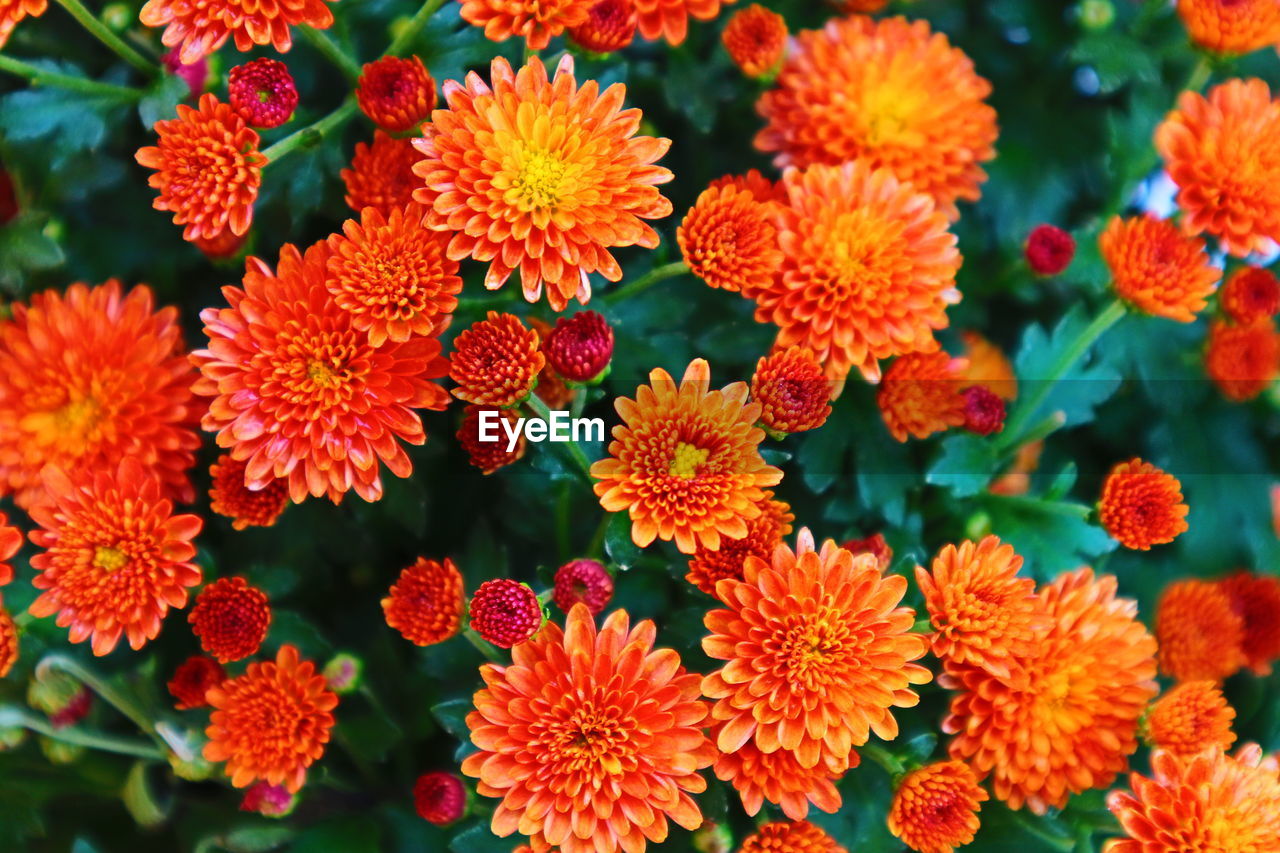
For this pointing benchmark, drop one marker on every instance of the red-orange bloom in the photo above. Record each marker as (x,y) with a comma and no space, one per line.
(1067,720)
(1221,151)
(231,619)
(1257,599)
(232,498)
(115,556)
(891,93)
(669,19)
(272,722)
(797,836)
(496,361)
(88,377)
(425,603)
(13,11)
(192,680)
(756,39)
(983,614)
(868,269)
(381,174)
(1211,802)
(764,532)
(793,394)
(778,777)
(1201,636)
(489,456)
(8,642)
(10,544)
(1231,26)
(301,394)
(1189,718)
(935,808)
(875,545)
(729,240)
(396,93)
(1141,505)
(541,176)
(202,28)
(392,276)
(822,635)
(536,21)
(1250,294)
(208,169)
(592,739)
(1242,361)
(1157,268)
(685,463)
(921,395)
(988,366)
(610,26)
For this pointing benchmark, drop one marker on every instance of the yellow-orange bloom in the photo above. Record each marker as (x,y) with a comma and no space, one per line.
(1223,152)
(935,808)
(88,377)
(8,642)
(496,361)
(868,269)
(13,11)
(425,603)
(535,21)
(707,567)
(669,19)
(920,394)
(891,93)
(208,169)
(793,394)
(796,836)
(592,739)
(982,613)
(201,28)
(381,174)
(1231,26)
(541,176)
(1257,599)
(685,462)
(230,496)
(988,366)
(271,723)
(1242,361)
(1189,718)
(779,777)
(729,240)
(1201,635)
(1212,802)
(818,652)
(1067,719)
(115,556)
(1157,268)
(755,38)
(610,26)
(1141,505)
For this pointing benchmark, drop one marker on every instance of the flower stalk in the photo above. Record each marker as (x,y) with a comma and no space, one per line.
(103,33)
(43,77)
(646,281)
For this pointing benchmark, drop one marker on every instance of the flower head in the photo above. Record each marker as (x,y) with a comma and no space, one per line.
(558,178)
(935,808)
(793,393)
(756,38)
(268,800)
(301,394)
(890,93)
(439,798)
(586,581)
(1231,26)
(231,619)
(614,726)
(580,347)
(13,11)
(984,410)
(988,366)
(396,93)
(226,245)
(1157,268)
(505,612)
(669,19)
(1049,250)
(489,456)
(707,567)
(8,641)
(685,463)
(1256,598)
(1189,718)
(232,498)
(1221,151)
(779,777)
(271,723)
(729,239)
(1141,505)
(425,603)
(192,680)
(342,673)
(875,545)
(610,26)
(920,395)
(263,92)
(868,269)
(1250,294)
(794,836)
(201,28)
(194,74)
(536,21)
(1242,361)
(10,544)
(115,556)
(381,174)
(1201,635)
(496,361)
(208,169)
(89,377)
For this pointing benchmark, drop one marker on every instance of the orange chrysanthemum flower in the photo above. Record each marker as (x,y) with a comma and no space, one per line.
(1242,361)
(935,808)
(891,93)
(1221,151)
(192,680)
(868,269)
(301,394)
(536,21)
(614,726)
(610,26)
(496,361)
(8,641)
(272,722)
(13,11)
(685,462)
(921,395)
(230,619)
(208,169)
(822,635)
(425,603)
(1213,801)
(489,456)
(764,532)
(1157,268)
(779,777)
(392,276)
(1189,718)
(669,19)
(796,836)
(866,7)
(875,545)
(558,179)
(201,28)
(115,556)
(756,39)
(381,174)
(1201,636)
(396,93)
(755,183)
(1250,294)
(1257,599)
(1231,26)
(88,377)
(232,498)
(1067,720)
(10,544)
(1141,505)
(793,394)
(988,366)
(983,614)
(729,240)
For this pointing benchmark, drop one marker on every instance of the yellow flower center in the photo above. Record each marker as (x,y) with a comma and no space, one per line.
(890,113)
(687,460)
(109,559)
(539,182)
(321,374)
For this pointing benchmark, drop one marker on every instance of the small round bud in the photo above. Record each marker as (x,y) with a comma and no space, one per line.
(580,347)
(263,92)
(343,673)
(585,581)
(440,798)
(505,612)
(1049,250)
(984,410)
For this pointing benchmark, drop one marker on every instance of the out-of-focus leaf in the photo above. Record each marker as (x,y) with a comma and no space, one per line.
(1087,384)
(452,717)
(1050,536)
(965,466)
(617,541)
(1116,58)
(161,100)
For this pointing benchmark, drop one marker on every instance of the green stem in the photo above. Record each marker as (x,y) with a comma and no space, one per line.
(310,135)
(1074,510)
(646,281)
(484,646)
(100,31)
(10,716)
(1032,827)
(109,694)
(70,82)
(415,25)
(1012,436)
(1200,74)
(324,43)
(886,759)
(571,447)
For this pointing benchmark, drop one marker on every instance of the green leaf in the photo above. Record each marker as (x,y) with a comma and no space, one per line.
(26,247)
(161,100)
(257,839)
(480,839)
(618,543)
(348,834)
(965,466)
(1050,535)
(72,121)
(1084,386)
(452,717)
(1117,59)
